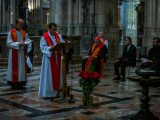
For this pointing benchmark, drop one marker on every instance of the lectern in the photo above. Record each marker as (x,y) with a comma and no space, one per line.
(64,89)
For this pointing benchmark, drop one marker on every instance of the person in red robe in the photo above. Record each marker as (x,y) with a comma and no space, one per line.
(96,56)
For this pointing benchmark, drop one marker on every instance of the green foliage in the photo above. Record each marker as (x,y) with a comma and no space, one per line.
(88,84)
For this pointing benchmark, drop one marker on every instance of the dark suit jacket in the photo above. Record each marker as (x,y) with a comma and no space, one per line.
(154,55)
(130,55)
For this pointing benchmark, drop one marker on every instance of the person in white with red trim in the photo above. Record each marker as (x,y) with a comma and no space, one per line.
(51,72)
(17,40)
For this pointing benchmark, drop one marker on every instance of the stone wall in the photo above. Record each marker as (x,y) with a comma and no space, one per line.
(114,49)
(37,53)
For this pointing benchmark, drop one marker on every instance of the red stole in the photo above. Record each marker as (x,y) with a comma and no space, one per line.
(102,60)
(55,67)
(103,40)
(94,52)
(15,55)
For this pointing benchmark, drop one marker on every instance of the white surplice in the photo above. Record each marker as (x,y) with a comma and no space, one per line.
(21,58)
(45,84)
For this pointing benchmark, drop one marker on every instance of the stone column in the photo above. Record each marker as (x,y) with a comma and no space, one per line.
(52,10)
(59,9)
(30,7)
(100,18)
(70,18)
(1,13)
(80,25)
(59,15)
(37,7)
(91,18)
(41,11)
(100,15)
(123,21)
(148,12)
(157,17)
(12,12)
(6,12)
(131,29)
(80,13)
(148,26)
(77,18)
(31,2)
(76,23)
(134,22)
(128,14)
(39,15)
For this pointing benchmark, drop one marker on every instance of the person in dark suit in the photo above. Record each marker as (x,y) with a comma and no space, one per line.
(154,52)
(153,58)
(128,58)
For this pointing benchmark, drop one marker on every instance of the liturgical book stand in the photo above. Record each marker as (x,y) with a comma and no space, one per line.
(64,89)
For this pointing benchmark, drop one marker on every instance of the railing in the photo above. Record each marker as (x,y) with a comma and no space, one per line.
(4,28)
(65,29)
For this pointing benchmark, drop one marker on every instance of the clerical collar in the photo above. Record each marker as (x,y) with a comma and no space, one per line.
(18,29)
(50,33)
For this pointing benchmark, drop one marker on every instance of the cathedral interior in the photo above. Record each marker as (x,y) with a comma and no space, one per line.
(81,20)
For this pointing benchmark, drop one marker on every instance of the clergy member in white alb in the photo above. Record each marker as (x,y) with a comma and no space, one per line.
(103,39)
(17,41)
(51,70)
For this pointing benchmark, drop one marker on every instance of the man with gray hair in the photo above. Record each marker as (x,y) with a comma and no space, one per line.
(17,40)
(103,39)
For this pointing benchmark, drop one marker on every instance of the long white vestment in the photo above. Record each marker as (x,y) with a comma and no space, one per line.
(45,84)
(21,60)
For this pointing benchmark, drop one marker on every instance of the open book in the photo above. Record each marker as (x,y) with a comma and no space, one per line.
(143,60)
(58,47)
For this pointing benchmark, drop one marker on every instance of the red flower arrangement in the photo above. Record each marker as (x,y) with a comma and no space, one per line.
(90,75)
(88,81)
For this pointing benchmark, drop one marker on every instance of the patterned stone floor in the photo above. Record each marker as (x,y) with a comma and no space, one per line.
(113,100)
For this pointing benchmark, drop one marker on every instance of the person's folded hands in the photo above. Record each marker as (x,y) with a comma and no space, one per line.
(21,43)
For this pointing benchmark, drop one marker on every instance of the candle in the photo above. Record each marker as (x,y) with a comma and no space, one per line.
(11,18)
(47,18)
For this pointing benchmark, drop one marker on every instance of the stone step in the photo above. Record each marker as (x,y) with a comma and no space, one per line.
(37,61)
(4,61)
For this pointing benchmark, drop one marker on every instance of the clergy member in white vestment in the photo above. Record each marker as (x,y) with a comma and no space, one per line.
(103,39)
(51,72)
(17,40)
